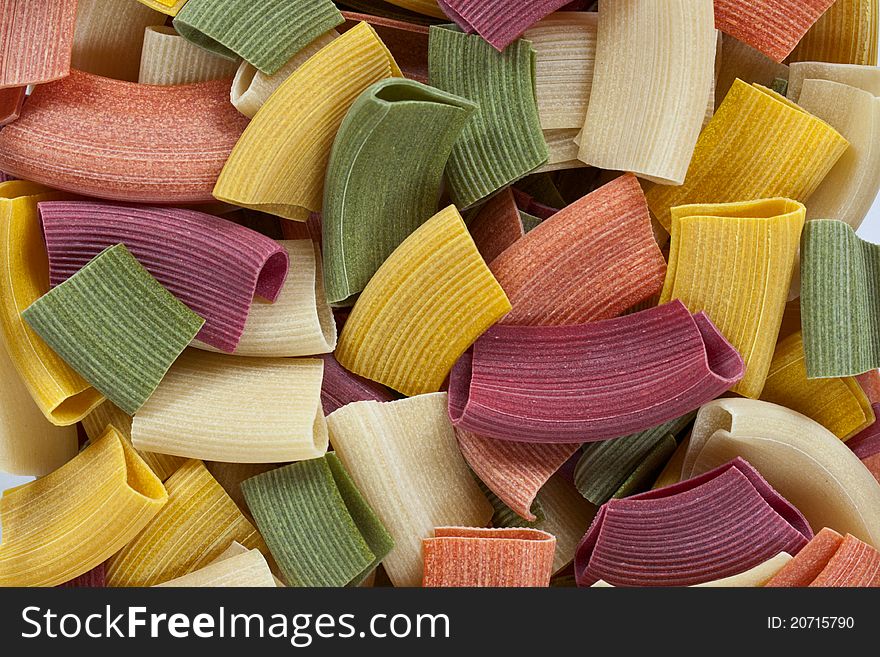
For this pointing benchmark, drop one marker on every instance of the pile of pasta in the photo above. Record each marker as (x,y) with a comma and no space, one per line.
(439,293)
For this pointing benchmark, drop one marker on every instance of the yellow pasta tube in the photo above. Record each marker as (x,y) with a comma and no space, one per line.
(404,458)
(801,459)
(735,261)
(167,58)
(248,569)
(206,405)
(278,164)
(427,303)
(196,525)
(655,62)
(838,404)
(299,322)
(846,33)
(62,395)
(758,145)
(71,520)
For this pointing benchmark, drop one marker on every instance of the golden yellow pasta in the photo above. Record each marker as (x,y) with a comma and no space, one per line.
(846,33)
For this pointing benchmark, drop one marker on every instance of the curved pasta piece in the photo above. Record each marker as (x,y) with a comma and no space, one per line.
(810,561)
(110,139)
(424,307)
(212,265)
(403,457)
(804,461)
(849,189)
(592,260)
(266,35)
(563,148)
(557,383)
(384,177)
(11,101)
(115,325)
(62,395)
(470,556)
(566,514)
(772,26)
(66,523)
(407,41)
(499,23)
(840,308)
(717,525)
(734,261)
(107,415)
(838,404)
(109,37)
(605,467)
(169,7)
(29,443)
(647,471)
(299,322)
(206,404)
(35,41)
(497,225)
(739,60)
(866,78)
(426,7)
(503,141)
(191,530)
(565,47)
(248,569)
(278,165)
(870,384)
(304,508)
(846,33)
(648,99)
(340,387)
(236,549)
(867,442)
(854,564)
(732,163)
(515,472)
(760,575)
(251,87)
(167,58)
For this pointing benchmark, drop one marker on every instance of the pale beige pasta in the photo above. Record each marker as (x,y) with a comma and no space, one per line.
(167,58)
(563,147)
(866,78)
(246,569)
(754,577)
(235,549)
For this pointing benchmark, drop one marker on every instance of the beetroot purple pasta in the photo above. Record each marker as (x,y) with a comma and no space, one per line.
(499,23)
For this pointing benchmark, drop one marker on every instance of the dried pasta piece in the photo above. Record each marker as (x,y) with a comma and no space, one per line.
(870,384)
(772,26)
(265,34)
(840,308)
(299,322)
(424,307)
(810,561)
(866,78)
(753,577)
(497,225)
(590,382)
(867,442)
(699,526)
(563,150)
(167,58)
(515,472)
(801,459)
(236,549)
(384,177)
(304,508)
(169,7)
(341,387)
(110,139)
(35,41)
(29,443)
(11,101)
(407,41)
(61,394)
(251,87)
(565,47)
(732,162)
(499,23)
(846,33)
(739,60)
(849,189)
(734,261)
(95,578)
(503,141)
(604,467)
(66,523)
(109,37)
(115,325)
(648,99)
(468,556)
(204,408)
(212,265)
(110,415)
(189,532)
(278,165)
(566,514)
(854,564)
(426,7)
(589,261)
(403,457)
(248,569)
(838,404)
